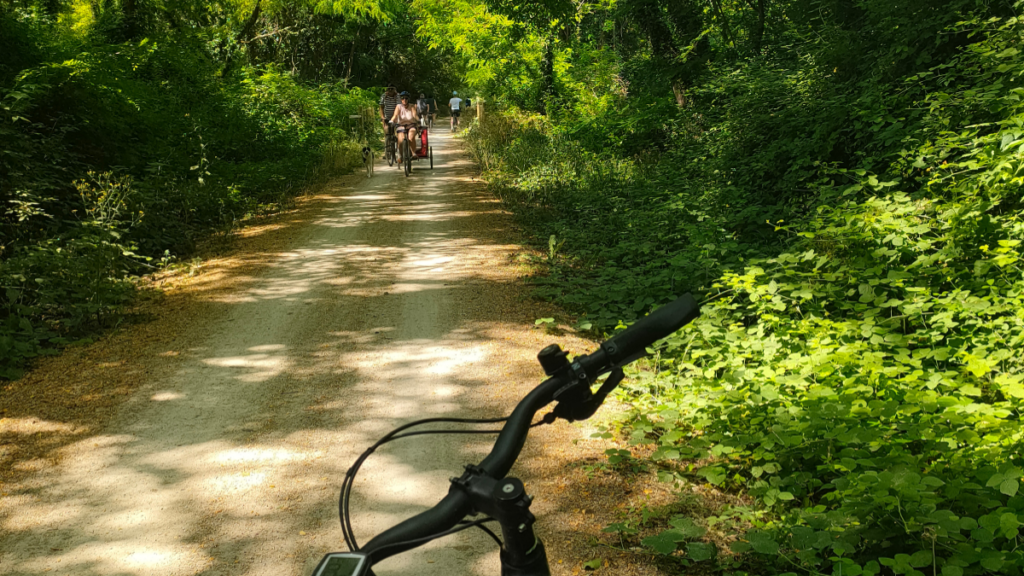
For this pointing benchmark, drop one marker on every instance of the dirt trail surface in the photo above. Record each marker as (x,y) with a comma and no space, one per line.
(213,438)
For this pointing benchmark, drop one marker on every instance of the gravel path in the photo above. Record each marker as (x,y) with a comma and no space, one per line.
(223,426)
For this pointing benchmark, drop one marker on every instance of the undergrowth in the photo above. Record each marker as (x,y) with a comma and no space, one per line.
(858,244)
(117,157)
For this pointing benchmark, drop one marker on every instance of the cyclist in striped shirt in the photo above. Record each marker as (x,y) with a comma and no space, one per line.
(388,103)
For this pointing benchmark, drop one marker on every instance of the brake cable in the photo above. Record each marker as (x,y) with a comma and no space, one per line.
(346,485)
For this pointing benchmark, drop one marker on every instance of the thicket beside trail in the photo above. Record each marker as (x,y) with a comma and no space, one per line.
(131,130)
(847,197)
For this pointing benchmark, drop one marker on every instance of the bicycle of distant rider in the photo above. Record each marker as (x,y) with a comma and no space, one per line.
(390,145)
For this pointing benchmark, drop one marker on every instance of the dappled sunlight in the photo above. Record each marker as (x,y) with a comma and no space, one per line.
(116,559)
(367,197)
(261,366)
(229,461)
(431,217)
(232,484)
(35,426)
(414,358)
(253,231)
(251,455)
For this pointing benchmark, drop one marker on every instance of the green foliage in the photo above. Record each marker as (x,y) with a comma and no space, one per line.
(119,156)
(863,384)
(849,201)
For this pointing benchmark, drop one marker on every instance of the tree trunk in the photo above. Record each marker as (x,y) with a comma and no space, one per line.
(548,75)
(351,57)
(757,34)
(249,29)
(130,10)
(717,6)
(244,35)
(679,89)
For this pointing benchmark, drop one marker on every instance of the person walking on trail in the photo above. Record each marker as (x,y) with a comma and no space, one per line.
(388,102)
(455,104)
(405,120)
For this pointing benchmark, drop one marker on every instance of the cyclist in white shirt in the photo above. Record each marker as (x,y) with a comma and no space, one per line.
(455,104)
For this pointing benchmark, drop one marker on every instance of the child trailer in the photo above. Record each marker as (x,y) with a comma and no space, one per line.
(425,150)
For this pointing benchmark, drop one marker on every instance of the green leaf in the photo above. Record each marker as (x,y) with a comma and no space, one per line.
(762,543)
(700,551)
(1008,521)
(619,527)
(983,535)
(739,547)
(592,564)
(921,558)
(951,570)
(714,474)
(664,543)
(1009,487)
(687,527)
(992,562)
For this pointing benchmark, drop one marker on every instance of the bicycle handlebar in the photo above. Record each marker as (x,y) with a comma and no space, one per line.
(631,344)
(621,349)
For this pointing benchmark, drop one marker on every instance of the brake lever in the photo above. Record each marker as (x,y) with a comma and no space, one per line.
(576,401)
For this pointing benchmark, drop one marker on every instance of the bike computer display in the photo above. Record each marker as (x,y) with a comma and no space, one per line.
(342,564)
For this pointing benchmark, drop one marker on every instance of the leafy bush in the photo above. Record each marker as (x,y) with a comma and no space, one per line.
(852,210)
(864,385)
(127,153)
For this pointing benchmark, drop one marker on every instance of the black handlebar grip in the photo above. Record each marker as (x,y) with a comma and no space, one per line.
(632,343)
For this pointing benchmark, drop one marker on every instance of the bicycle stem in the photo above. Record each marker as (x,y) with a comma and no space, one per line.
(507,502)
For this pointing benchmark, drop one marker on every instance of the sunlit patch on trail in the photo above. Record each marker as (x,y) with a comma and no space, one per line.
(264,366)
(370,197)
(35,426)
(166,396)
(268,348)
(251,455)
(238,482)
(427,262)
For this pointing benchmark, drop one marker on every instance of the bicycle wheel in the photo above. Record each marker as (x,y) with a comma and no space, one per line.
(390,153)
(407,156)
(430,151)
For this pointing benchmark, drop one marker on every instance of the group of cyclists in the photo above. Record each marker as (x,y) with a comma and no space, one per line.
(400,113)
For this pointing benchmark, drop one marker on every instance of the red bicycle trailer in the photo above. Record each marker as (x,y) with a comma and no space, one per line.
(425,150)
